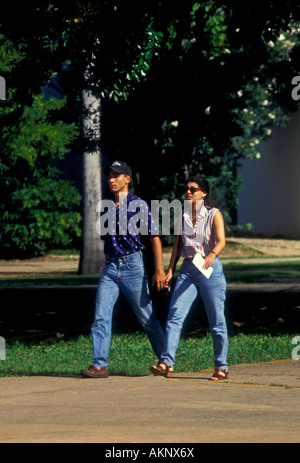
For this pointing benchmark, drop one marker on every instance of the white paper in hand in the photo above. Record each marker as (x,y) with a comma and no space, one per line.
(198,261)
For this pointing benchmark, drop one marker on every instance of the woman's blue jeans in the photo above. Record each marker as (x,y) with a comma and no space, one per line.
(213,293)
(128,276)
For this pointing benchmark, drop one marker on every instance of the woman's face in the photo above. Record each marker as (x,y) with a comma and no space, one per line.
(193,192)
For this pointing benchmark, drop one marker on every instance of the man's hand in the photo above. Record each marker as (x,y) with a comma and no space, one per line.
(159,276)
(159,279)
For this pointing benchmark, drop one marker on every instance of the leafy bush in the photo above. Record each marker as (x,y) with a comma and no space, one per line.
(39,210)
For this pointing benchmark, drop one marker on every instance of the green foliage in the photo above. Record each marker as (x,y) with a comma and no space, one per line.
(117,52)
(199,85)
(38,210)
(221,84)
(140,66)
(41,216)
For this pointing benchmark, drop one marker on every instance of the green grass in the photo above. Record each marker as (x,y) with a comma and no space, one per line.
(131,354)
(255,273)
(234,272)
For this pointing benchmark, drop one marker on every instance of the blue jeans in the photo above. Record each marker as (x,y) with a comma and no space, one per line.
(128,276)
(213,292)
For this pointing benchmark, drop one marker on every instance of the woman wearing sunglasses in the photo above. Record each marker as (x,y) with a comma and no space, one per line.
(202,235)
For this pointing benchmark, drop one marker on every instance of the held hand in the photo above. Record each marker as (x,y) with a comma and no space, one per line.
(159,279)
(168,278)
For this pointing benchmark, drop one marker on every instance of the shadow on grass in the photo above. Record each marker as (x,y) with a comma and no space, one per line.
(40,314)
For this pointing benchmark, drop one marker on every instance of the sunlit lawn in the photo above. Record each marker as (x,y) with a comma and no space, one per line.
(131,354)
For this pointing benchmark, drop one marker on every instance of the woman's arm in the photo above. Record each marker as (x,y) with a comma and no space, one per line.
(219,229)
(174,259)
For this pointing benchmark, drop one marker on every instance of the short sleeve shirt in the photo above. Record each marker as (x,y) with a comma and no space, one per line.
(125,225)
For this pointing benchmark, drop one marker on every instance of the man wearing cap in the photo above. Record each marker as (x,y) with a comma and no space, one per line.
(124,269)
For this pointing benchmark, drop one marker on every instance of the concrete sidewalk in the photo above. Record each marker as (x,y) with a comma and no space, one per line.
(259,403)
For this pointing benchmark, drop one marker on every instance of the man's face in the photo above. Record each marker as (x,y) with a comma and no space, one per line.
(118,183)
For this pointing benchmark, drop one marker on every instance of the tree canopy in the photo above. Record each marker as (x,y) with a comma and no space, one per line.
(221,84)
(186,88)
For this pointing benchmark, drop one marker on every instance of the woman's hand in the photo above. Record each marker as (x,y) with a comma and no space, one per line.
(209,260)
(169,277)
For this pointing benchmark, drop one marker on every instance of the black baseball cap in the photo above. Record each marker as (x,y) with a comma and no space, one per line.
(119,167)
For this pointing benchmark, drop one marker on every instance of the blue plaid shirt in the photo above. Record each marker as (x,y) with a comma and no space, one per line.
(125,225)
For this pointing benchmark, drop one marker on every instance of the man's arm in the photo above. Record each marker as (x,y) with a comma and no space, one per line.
(159,276)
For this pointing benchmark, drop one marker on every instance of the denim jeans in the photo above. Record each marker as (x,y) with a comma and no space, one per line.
(128,276)
(213,292)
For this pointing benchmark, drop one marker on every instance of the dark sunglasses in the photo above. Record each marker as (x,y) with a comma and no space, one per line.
(192,189)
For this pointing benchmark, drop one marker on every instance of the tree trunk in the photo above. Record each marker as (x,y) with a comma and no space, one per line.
(92,256)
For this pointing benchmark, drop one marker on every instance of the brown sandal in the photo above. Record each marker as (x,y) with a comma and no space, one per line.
(162,369)
(219,375)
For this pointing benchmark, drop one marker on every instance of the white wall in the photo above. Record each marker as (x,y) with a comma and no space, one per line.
(270,199)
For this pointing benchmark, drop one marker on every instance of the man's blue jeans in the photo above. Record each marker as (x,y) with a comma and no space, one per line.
(213,293)
(128,276)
